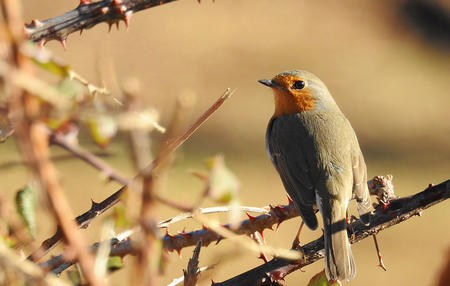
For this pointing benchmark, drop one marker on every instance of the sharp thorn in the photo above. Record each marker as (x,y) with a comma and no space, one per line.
(63,43)
(250,216)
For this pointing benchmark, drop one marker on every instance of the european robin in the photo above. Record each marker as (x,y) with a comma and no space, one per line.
(316,153)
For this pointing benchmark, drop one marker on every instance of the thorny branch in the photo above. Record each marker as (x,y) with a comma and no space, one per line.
(97,209)
(85,16)
(395,212)
(398,211)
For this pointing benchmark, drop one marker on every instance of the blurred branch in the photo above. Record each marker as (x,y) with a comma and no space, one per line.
(109,172)
(32,138)
(58,157)
(139,140)
(384,217)
(85,16)
(97,209)
(145,271)
(120,245)
(30,271)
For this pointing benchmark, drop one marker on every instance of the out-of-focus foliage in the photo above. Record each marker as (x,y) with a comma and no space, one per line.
(320,279)
(26,207)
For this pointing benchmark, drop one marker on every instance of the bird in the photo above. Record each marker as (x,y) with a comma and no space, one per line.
(317,155)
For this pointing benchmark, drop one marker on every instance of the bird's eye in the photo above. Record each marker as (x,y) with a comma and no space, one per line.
(299,84)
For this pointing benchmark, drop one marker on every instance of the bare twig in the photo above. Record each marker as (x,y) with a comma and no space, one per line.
(85,16)
(90,158)
(396,212)
(108,171)
(219,209)
(256,236)
(380,259)
(97,209)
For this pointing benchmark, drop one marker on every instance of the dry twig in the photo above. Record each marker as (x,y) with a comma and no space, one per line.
(97,209)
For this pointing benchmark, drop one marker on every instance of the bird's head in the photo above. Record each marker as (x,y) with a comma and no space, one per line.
(298,91)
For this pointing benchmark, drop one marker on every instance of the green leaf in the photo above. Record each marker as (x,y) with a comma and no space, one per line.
(44,59)
(8,240)
(26,207)
(103,128)
(71,88)
(74,277)
(223,185)
(320,279)
(120,217)
(114,263)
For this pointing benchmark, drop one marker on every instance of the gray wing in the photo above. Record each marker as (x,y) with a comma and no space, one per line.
(284,140)
(360,189)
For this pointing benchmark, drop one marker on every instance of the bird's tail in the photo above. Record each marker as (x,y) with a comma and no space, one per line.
(338,254)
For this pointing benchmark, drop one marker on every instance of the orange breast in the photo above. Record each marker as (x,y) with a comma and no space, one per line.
(288,103)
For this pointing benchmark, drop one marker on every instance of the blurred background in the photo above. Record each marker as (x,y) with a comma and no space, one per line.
(386,63)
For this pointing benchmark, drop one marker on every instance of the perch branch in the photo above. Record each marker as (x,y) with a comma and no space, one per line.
(85,16)
(396,212)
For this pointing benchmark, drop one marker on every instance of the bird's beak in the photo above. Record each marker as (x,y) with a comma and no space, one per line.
(269,83)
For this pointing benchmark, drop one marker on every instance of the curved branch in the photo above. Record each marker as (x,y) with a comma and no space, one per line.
(396,212)
(85,16)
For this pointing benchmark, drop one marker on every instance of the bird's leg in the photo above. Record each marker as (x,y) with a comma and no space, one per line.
(296,242)
(349,224)
(380,259)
